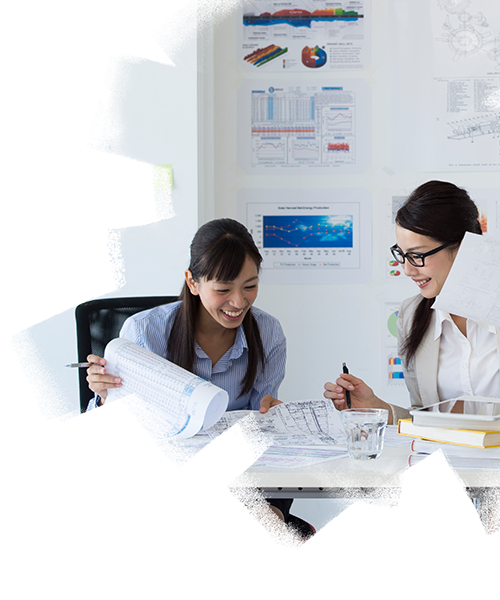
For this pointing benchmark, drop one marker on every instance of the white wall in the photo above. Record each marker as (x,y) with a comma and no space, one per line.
(151,118)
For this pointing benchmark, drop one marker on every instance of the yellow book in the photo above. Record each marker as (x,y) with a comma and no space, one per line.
(462,437)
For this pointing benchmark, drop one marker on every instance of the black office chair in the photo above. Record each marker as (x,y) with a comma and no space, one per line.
(98,322)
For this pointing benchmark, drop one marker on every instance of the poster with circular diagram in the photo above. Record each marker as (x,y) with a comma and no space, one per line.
(307,35)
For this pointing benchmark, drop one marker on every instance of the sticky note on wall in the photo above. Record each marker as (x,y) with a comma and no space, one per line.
(161,177)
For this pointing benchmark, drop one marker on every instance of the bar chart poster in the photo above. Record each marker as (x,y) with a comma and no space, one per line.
(302,242)
(307,35)
(302,128)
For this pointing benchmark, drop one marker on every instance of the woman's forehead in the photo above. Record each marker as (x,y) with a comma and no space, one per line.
(249,271)
(410,240)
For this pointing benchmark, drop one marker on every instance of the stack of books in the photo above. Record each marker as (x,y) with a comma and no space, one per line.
(469,441)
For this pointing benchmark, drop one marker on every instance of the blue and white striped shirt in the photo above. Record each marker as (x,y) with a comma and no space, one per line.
(151,329)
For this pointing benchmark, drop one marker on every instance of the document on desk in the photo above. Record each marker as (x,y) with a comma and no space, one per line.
(299,433)
(302,423)
(170,399)
(288,436)
(472,288)
(287,455)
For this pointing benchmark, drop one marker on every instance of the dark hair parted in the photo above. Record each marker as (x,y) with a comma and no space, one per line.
(218,251)
(444,212)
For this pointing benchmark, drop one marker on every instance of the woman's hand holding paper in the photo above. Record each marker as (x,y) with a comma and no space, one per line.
(99,382)
(267,402)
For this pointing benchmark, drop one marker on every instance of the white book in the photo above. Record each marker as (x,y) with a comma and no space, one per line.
(173,401)
(427,447)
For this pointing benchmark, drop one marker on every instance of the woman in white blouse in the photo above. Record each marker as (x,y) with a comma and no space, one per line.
(444,356)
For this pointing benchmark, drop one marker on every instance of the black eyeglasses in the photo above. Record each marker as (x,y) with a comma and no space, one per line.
(417,259)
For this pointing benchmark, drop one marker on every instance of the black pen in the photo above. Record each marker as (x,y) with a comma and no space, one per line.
(347,392)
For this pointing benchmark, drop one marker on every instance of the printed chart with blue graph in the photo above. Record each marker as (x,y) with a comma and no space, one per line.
(307,231)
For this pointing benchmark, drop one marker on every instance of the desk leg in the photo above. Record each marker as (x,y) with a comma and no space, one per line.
(481,506)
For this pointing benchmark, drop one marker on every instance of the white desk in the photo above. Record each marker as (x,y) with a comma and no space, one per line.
(348,478)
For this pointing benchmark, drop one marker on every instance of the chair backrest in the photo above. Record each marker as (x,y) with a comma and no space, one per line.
(98,322)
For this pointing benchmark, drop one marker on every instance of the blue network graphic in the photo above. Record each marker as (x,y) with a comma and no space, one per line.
(321,231)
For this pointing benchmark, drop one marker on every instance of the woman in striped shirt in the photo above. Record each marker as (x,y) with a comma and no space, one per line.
(213,330)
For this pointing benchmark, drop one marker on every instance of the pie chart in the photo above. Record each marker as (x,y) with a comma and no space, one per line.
(392,324)
(313,57)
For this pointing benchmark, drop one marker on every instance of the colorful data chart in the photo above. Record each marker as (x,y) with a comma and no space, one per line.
(261,56)
(392,326)
(395,361)
(395,370)
(313,57)
(318,231)
(394,271)
(396,375)
(297,17)
(338,148)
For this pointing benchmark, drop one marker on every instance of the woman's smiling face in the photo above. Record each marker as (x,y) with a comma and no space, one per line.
(431,277)
(227,302)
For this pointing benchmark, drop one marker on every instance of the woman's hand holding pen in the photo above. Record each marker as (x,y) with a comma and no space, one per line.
(362,396)
(98,381)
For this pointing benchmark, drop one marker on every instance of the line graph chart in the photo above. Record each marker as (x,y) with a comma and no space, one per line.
(310,236)
(303,149)
(270,150)
(336,119)
(308,231)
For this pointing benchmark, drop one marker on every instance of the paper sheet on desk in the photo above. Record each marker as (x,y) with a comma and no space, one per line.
(393,439)
(472,288)
(302,423)
(288,456)
(301,433)
(292,435)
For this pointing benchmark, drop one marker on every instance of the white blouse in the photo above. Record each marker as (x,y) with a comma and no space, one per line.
(468,366)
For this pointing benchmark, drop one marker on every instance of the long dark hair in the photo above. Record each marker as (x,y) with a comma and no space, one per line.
(218,251)
(443,212)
